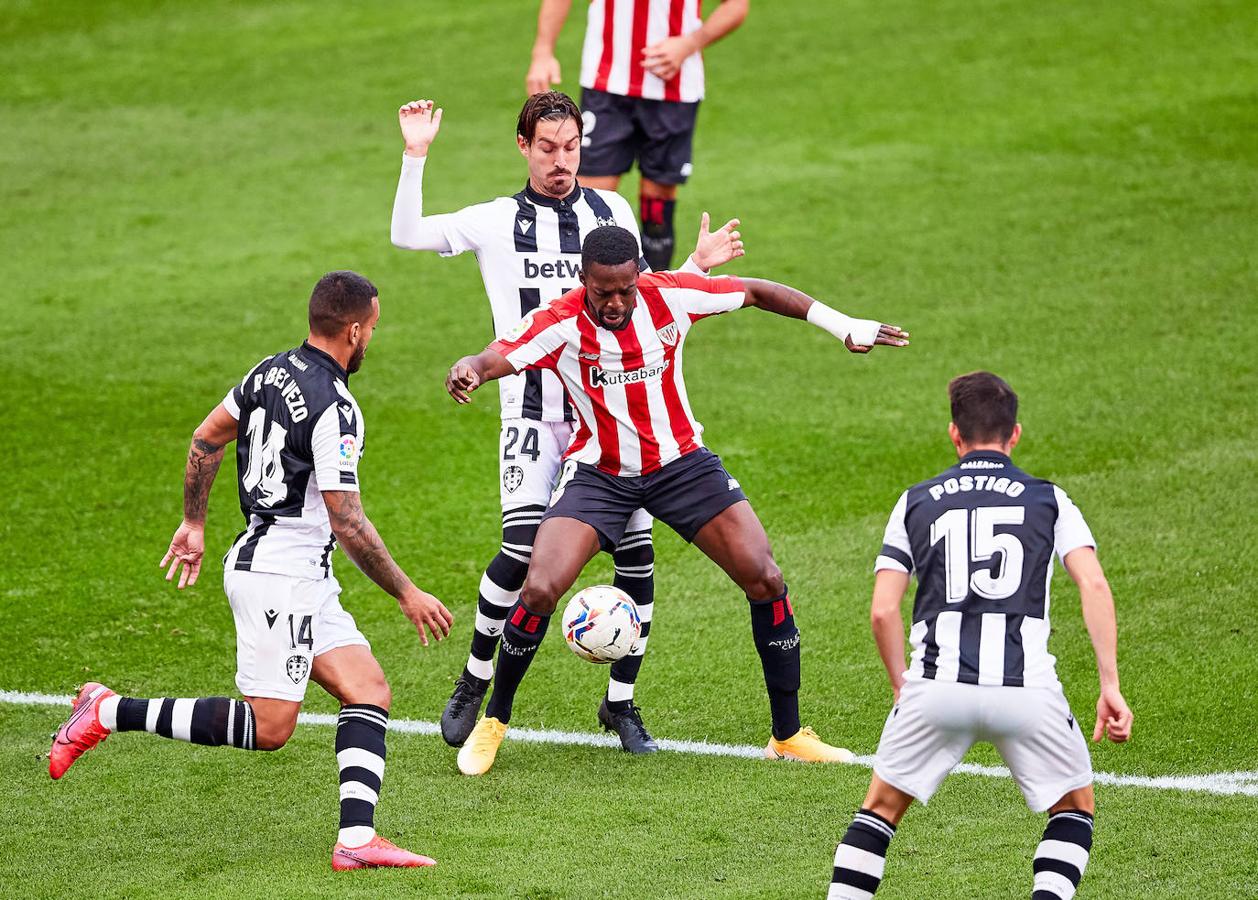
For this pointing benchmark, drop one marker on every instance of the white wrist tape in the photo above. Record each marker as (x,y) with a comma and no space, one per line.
(861,331)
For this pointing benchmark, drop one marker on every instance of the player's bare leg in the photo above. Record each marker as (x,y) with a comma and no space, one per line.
(352,675)
(861,856)
(562,549)
(274,721)
(736,541)
(1062,855)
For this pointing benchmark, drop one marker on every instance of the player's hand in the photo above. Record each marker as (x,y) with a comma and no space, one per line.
(461,381)
(420,124)
(543,72)
(664,59)
(887,335)
(1113,717)
(716,248)
(426,611)
(187,548)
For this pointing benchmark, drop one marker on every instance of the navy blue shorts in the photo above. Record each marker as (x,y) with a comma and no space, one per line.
(659,134)
(685,495)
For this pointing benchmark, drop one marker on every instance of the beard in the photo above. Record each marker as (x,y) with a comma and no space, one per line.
(356,359)
(558,184)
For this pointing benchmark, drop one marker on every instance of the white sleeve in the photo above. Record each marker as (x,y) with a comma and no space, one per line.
(336,446)
(699,296)
(692,267)
(896,553)
(449,234)
(231,404)
(1070,532)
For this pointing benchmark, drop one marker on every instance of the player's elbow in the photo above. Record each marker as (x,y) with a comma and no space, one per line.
(1095,589)
(882,617)
(403,241)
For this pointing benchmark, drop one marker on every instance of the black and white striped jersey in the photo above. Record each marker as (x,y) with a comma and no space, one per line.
(300,432)
(528,247)
(981,538)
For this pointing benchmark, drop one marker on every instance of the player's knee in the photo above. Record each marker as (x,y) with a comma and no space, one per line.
(765,580)
(372,690)
(540,594)
(273,734)
(1082,799)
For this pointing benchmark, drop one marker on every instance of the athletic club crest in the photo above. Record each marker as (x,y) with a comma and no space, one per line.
(512,478)
(668,334)
(298,668)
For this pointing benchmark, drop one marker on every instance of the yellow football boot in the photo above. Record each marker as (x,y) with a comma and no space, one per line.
(476,756)
(805,746)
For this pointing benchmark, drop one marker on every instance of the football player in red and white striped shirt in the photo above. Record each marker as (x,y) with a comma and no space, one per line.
(616,342)
(641,83)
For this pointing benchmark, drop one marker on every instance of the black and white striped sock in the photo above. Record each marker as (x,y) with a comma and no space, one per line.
(1062,855)
(861,857)
(360,731)
(500,587)
(634,559)
(213,721)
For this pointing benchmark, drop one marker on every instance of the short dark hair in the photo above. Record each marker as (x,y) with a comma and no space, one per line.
(547,106)
(609,245)
(339,299)
(984,408)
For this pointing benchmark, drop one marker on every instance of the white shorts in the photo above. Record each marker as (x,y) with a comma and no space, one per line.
(282,624)
(530,454)
(936,722)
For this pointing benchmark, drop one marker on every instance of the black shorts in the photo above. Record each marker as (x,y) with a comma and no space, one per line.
(685,495)
(659,134)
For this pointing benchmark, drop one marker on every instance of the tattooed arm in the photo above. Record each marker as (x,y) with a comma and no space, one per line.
(205,454)
(859,335)
(363,544)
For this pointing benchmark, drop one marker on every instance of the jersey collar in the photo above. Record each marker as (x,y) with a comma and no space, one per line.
(542,200)
(317,356)
(993,455)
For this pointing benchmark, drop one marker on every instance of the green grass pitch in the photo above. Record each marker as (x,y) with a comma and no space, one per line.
(1063,192)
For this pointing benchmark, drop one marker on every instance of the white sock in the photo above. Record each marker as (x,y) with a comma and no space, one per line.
(108,712)
(355,835)
(618,691)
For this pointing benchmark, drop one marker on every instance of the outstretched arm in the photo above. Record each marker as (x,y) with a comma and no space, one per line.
(544,69)
(1113,716)
(409,229)
(471,372)
(888,625)
(205,455)
(859,335)
(363,544)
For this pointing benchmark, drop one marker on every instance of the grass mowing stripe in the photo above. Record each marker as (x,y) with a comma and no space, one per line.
(1223,783)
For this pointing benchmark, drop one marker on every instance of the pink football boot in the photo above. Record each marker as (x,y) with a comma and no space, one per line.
(376,853)
(81,732)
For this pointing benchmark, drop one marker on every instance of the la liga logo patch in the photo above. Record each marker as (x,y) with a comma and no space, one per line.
(349,450)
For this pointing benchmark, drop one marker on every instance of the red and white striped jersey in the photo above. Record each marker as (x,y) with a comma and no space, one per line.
(625,385)
(616,31)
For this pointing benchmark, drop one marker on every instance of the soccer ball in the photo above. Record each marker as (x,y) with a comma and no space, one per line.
(601,624)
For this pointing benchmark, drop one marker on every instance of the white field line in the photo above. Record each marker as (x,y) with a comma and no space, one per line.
(1224,783)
